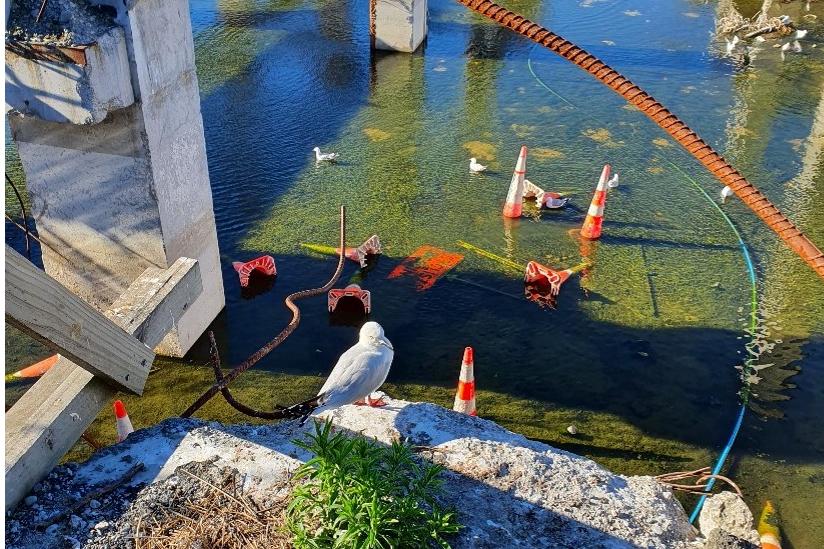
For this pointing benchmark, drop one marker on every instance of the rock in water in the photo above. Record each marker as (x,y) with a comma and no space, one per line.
(728,512)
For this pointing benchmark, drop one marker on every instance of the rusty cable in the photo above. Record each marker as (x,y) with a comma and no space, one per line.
(222,382)
(678,130)
(237,405)
(26,229)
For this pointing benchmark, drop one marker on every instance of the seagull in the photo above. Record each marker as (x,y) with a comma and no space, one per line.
(726,192)
(612,183)
(324,157)
(360,371)
(801,33)
(474,167)
(731,44)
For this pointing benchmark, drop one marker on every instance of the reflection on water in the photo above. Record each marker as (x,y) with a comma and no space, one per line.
(641,353)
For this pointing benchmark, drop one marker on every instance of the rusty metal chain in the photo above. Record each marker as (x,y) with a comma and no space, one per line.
(679,131)
(223,382)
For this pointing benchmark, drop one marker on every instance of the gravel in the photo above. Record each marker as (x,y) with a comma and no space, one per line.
(64,22)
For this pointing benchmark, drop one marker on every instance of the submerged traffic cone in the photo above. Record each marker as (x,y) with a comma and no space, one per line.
(515,197)
(541,274)
(768,528)
(595,216)
(124,424)
(465,397)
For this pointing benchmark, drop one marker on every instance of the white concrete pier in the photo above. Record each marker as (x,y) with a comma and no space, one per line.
(132,191)
(398,25)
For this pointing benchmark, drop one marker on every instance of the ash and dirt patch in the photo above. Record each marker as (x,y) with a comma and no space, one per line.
(64,22)
(200,505)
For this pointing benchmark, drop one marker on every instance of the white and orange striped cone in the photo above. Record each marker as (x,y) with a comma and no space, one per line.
(515,197)
(537,273)
(768,529)
(465,397)
(595,216)
(124,424)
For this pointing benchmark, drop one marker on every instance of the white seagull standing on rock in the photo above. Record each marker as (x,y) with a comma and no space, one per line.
(360,371)
(324,157)
(474,167)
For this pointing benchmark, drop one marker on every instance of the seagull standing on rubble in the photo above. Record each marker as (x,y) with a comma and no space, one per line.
(360,371)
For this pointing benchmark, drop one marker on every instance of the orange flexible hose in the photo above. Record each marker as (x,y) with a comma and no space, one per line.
(670,123)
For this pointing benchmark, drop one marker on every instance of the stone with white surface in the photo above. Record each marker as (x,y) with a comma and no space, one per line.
(507,489)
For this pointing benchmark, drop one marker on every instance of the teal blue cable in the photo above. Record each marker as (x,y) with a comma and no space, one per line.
(745,252)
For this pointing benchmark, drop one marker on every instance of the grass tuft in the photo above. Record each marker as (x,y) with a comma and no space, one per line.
(358,494)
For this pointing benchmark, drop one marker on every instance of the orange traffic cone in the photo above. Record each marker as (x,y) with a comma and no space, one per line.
(515,196)
(768,528)
(595,216)
(465,397)
(541,274)
(124,424)
(37,369)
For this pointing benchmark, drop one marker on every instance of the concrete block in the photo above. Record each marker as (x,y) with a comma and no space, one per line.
(76,85)
(399,25)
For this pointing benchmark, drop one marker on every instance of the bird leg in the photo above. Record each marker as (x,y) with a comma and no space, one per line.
(369,401)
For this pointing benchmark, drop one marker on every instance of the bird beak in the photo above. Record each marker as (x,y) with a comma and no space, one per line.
(386,343)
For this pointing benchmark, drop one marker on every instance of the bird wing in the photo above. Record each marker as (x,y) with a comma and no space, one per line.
(359,371)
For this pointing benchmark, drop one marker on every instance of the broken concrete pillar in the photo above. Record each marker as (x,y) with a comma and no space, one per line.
(398,25)
(114,197)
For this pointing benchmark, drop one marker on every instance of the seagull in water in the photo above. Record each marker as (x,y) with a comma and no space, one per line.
(474,167)
(731,43)
(726,192)
(612,183)
(360,371)
(324,157)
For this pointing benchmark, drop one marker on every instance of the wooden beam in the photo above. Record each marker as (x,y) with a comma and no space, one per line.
(38,305)
(50,417)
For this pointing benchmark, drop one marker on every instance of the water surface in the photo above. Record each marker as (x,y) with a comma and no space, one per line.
(641,354)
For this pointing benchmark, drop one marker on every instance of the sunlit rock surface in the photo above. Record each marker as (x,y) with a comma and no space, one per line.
(509,491)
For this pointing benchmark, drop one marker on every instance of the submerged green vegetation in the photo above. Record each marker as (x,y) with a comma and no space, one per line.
(641,354)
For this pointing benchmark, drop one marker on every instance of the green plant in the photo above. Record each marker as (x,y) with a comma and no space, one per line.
(358,494)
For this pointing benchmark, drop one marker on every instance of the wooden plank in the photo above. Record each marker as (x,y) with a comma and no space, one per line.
(38,305)
(144,309)
(50,417)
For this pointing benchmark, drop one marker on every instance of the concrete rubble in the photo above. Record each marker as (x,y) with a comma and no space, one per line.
(508,490)
(64,22)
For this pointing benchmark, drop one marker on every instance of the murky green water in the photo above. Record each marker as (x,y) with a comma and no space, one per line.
(641,355)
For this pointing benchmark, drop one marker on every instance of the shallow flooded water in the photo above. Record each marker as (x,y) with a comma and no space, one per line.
(640,354)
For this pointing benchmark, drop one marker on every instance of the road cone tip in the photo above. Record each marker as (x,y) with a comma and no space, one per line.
(595,215)
(515,196)
(124,424)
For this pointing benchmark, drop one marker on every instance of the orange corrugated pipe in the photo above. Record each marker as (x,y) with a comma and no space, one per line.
(679,131)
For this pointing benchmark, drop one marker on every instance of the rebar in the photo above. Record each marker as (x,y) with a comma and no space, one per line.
(714,162)
(222,382)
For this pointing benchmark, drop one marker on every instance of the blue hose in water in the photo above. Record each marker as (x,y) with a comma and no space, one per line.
(745,252)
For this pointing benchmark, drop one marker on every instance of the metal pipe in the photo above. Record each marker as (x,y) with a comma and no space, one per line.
(224,381)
